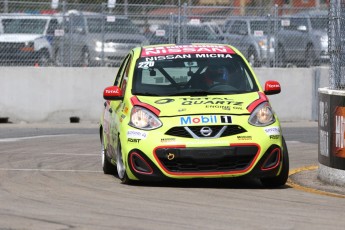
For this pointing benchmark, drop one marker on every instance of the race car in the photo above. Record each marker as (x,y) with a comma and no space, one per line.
(191,111)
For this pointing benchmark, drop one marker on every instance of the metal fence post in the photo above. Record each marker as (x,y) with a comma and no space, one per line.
(179,22)
(104,17)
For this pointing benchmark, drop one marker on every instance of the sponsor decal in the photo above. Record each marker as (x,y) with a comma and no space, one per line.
(164,101)
(210,101)
(224,107)
(324,134)
(244,138)
(274,137)
(186,49)
(168,139)
(133,140)
(122,117)
(125,110)
(136,134)
(272,130)
(225,119)
(145,64)
(338,145)
(211,119)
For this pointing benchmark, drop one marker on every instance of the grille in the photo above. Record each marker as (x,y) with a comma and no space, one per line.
(10,46)
(217,159)
(217,131)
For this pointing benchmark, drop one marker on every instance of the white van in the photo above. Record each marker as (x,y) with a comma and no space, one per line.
(27,39)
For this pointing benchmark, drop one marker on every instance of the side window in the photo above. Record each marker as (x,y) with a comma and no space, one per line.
(124,79)
(296,22)
(121,69)
(238,27)
(53,25)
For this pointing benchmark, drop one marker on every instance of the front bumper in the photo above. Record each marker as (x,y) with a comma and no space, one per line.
(180,162)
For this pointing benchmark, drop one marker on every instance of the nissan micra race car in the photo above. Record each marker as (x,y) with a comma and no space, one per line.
(191,111)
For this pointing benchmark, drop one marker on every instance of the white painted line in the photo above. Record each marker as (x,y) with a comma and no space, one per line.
(51,170)
(293,142)
(73,154)
(33,137)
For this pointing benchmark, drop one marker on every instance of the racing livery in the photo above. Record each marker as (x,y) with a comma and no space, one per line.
(191,111)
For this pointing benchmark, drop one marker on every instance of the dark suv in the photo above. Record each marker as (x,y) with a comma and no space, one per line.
(303,39)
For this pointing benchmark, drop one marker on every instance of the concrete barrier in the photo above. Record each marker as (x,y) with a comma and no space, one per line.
(53,94)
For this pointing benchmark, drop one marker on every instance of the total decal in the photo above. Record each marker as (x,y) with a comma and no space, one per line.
(210,101)
(205,119)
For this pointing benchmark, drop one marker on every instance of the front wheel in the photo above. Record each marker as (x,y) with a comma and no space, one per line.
(280,180)
(121,167)
(108,168)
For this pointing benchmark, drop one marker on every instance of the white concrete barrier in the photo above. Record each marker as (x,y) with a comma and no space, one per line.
(53,94)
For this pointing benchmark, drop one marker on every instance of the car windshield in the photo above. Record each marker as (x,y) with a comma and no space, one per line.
(24,26)
(190,75)
(111,25)
(319,23)
(256,26)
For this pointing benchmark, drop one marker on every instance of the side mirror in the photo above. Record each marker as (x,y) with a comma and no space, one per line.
(112,93)
(272,87)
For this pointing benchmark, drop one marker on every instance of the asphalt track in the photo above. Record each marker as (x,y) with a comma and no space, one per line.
(51,178)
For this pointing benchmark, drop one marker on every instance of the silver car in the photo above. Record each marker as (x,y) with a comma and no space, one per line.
(303,39)
(253,37)
(92,39)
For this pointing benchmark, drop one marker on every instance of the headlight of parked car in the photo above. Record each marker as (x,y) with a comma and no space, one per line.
(262,115)
(142,118)
(324,41)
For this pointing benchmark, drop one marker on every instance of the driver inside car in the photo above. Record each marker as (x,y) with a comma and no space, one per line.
(213,75)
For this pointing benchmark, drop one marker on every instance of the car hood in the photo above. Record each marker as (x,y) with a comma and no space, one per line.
(19,37)
(215,104)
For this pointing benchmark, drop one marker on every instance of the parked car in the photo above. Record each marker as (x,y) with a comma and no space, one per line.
(253,37)
(27,39)
(303,39)
(92,39)
(164,34)
(191,111)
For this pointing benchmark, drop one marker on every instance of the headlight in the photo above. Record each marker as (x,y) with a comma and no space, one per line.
(324,40)
(263,44)
(142,118)
(262,115)
(98,44)
(29,47)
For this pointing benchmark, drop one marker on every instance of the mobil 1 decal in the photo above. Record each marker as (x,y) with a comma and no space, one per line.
(205,120)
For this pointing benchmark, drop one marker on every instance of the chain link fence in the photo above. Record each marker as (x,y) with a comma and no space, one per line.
(95,33)
(337,44)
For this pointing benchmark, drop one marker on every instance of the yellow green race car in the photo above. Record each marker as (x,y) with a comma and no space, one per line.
(191,111)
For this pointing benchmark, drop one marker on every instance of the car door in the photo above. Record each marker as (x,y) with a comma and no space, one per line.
(118,108)
(297,39)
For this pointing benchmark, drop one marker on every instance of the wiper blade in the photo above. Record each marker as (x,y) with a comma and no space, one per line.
(146,94)
(190,93)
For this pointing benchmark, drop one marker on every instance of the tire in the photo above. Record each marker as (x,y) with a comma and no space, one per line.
(108,168)
(280,56)
(280,180)
(85,58)
(43,59)
(310,57)
(121,167)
